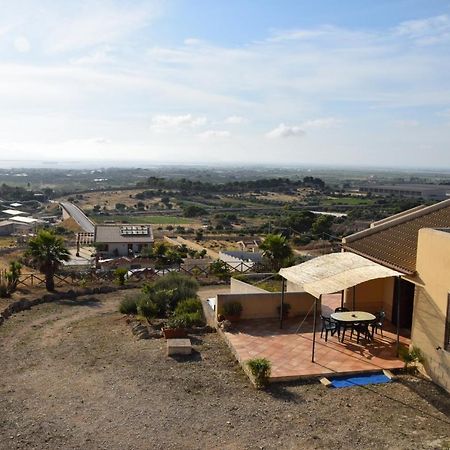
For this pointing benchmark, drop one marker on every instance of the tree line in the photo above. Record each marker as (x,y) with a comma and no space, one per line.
(273,184)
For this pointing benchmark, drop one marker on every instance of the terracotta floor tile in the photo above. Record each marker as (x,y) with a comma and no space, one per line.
(290,352)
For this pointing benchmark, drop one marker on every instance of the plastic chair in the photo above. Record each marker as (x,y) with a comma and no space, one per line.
(377,324)
(361,328)
(329,326)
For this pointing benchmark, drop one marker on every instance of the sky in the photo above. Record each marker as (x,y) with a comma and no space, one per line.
(280,82)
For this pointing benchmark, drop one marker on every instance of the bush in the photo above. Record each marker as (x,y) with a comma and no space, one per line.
(146,308)
(190,305)
(260,369)
(177,288)
(411,357)
(128,305)
(232,309)
(186,320)
(120,275)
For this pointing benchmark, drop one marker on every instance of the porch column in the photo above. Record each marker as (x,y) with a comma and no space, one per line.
(398,315)
(314,327)
(283,286)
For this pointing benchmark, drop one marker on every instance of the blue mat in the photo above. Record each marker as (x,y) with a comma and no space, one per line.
(359,380)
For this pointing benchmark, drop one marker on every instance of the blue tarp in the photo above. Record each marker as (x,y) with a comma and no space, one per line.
(359,380)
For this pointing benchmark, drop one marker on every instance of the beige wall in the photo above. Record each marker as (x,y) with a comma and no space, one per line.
(372,296)
(430,304)
(264,305)
(241,287)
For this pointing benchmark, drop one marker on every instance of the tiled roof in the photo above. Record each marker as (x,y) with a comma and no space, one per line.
(393,241)
(119,234)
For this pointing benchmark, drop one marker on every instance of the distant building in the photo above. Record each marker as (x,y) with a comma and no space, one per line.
(425,191)
(239,260)
(122,240)
(6,228)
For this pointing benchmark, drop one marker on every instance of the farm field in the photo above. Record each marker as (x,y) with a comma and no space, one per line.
(153,220)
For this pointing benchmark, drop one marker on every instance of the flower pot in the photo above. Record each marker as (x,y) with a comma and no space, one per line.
(174,333)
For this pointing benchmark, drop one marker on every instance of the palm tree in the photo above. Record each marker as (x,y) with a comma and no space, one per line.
(47,251)
(276,249)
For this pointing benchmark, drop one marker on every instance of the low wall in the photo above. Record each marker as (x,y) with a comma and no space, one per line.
(263,305)
(241,287)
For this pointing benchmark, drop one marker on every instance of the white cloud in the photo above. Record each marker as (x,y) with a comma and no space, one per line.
(324,122)
(407,123)
(98,23)
(428,31)
(235,120)
(163,122)
(285,131)
(22,45)
(193,41)
(214,134)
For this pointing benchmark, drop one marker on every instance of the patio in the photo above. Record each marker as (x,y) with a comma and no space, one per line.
(289,351)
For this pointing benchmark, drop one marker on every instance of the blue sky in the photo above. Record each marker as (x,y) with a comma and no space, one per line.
(277,82)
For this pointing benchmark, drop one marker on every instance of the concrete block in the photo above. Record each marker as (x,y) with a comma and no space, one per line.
(179,347)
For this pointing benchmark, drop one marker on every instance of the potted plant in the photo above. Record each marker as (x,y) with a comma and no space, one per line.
(286,309)
(232,311)
(175,329)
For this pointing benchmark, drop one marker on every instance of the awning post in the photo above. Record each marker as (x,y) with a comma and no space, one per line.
(354,297)
(398,314)
(314,327)
(283,287)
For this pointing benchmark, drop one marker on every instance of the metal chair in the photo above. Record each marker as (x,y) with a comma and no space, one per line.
(329,326)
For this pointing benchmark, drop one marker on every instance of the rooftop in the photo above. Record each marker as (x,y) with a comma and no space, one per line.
(393,241)
(123,233)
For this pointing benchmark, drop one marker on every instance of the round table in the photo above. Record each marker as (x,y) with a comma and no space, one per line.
(351,317)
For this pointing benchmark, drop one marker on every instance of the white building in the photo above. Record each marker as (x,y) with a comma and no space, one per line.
(122,240)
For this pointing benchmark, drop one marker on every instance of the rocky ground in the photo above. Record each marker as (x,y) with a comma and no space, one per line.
(74,377)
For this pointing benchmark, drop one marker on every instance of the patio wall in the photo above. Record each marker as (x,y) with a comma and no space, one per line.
(263,305)
(241,287)
(372,296)
(431,303)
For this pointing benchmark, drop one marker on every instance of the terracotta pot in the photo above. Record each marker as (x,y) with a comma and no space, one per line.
(174,333)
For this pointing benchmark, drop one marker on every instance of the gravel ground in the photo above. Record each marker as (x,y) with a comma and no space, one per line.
(74,377)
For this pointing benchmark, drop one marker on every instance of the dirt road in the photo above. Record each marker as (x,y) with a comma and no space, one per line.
(74,377)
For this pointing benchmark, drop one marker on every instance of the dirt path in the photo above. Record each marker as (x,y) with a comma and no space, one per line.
(73,377)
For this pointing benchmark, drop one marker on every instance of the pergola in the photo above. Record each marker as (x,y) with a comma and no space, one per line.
(333,273)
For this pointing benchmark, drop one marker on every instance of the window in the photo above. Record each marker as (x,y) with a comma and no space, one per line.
(447,326)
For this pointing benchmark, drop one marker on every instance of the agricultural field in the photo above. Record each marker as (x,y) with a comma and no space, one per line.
(153,220)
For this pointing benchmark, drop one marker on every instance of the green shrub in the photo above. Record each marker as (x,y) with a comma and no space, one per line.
(120,276)
(189,305)
(181,287)
(411,356)
(128,305)
(232,309)
(186,320)
(146,308)
(260,369)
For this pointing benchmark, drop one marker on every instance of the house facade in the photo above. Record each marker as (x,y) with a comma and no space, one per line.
(114,241)
(417,244)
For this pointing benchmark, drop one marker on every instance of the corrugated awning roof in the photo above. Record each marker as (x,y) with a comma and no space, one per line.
(335,272)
